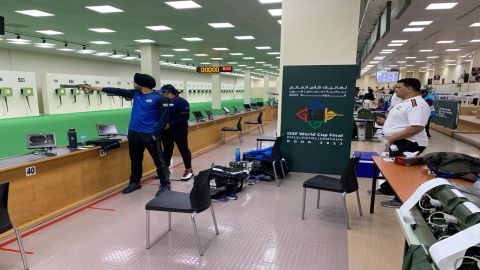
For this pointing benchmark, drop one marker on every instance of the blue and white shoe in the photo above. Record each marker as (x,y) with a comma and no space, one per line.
(221,198)
(232,196)
(163,188)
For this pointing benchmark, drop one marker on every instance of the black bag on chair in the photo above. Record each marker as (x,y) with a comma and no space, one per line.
(456,165)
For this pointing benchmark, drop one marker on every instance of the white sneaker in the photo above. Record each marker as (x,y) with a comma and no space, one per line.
(187,174)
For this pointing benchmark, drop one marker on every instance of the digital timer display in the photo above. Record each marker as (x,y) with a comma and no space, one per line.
(215,69)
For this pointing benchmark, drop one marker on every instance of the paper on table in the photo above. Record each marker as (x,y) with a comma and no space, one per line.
(445,252)
(417,195)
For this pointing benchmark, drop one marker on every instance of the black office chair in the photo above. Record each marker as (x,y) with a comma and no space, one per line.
(346,184)
(195,202)
(259,123)
(237,129)
(6,224)
(277,160)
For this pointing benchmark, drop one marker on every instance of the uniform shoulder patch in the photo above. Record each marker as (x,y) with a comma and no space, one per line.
(414,102)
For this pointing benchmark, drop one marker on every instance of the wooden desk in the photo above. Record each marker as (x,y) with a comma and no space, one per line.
(404,180)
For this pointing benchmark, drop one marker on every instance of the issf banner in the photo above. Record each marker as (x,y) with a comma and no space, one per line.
(317,117)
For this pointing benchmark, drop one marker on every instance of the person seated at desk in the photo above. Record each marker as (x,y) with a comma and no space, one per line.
(404,127)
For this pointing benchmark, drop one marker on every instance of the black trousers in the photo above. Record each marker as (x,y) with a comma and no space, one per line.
(179,136)
(137,143)
(403,146)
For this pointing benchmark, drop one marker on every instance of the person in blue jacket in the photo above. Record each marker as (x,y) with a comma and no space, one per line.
(147,121)
(428,97)
(176,130)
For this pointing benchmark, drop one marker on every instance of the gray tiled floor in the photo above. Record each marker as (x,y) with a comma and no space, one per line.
(261,230)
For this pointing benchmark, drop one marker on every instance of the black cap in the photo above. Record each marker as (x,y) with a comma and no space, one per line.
(144,80)
(169,88)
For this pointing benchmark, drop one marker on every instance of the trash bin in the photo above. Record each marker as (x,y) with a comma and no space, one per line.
(361,130)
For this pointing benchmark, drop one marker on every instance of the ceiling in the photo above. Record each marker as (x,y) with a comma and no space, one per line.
(250,18)
(453,24)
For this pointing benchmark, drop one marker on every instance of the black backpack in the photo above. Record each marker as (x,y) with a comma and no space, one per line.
(456,165)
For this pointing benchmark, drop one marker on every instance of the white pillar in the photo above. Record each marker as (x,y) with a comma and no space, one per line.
(475,61)
(247,94)
(216,87)
(266,86)
(150,61)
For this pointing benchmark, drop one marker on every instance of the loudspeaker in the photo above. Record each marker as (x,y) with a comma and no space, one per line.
(2,26)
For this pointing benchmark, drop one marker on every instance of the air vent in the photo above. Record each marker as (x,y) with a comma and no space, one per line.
(414,45)
(466,14)
(16,25)
(432,34)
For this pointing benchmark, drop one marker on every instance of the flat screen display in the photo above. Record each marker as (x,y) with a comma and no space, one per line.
(197,114)
(209,113)
(387,76)
(107,130)
(226,110)
(39,141)
(247,106)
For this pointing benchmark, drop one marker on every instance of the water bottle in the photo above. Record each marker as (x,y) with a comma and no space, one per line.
(72,138)
(237,154)
(477,184)
(83,139)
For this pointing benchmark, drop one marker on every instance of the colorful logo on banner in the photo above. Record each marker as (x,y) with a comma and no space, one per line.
(316,114)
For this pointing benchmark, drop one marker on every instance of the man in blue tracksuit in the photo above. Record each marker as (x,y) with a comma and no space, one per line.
(176,130)
(147,121)
(428,97)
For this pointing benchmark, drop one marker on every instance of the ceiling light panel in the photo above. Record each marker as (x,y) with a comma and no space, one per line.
(383,52)
(220,49)
(279,22)
(167,55)
(269,1)
(217,58)
(399,41)
(413,29)
(144,41)
(445,41)
(105,9)
(183,4)
(191,39)
(221,25)
(452,50)
(186,59)
(181,50)
(244,37)
(236,54)
(49,32)
(103,54)
(432,57)
(477,24)
(158,27)
(102,30)
(433,6)
(248,58)
(420,23)
(475,40)
(429,50)
(34,13)
(100,42)
(273,53)
(395,44)
(263,48)
(201,54)
(275,12)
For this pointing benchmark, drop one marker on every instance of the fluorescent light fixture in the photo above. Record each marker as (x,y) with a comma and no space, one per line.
(399,41)
(275,12)
(205,63)
(158,28)
(379,58)
(451,64)
(192,39)
(450,60)
(263,48)
(66,49)
(242,65)
(236,54)
(103,54)
(409,65)
(260,62)
(130,58)
(232,63)
(441,5)
(418,23)
(452,50)
(382,52)
(137,50)
(201,54)
(278,57)
(477,24)
(475,40)
(18,40)
(432,57)
(34,13)
(244,37)
(395,44)
(394,65)
(183,4)
(374,62)
(100,42)
(86,51)
(468,60)
(413,29)
(426,50)
(144,41)
(101,30)
(420,61)
(267,65)
(248,58)
(217,58)
(181,50)
(117,56)
(279,22)
(167,55)
(445,41)
(273,53)
(49,32)
(220,49)
(250,67)
(104,9)
(269,1)
(401,62)
(388,50)
(221,25)
(45,45)
(186,59)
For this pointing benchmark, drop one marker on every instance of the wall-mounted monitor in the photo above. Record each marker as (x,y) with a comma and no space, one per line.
(387,76)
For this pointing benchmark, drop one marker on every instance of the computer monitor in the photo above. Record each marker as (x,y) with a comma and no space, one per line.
(227,111)
(260,104)
(235,110)
(247,107)
(107,130)
(198,115)
(254,105)
(209,114)
(41,141)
